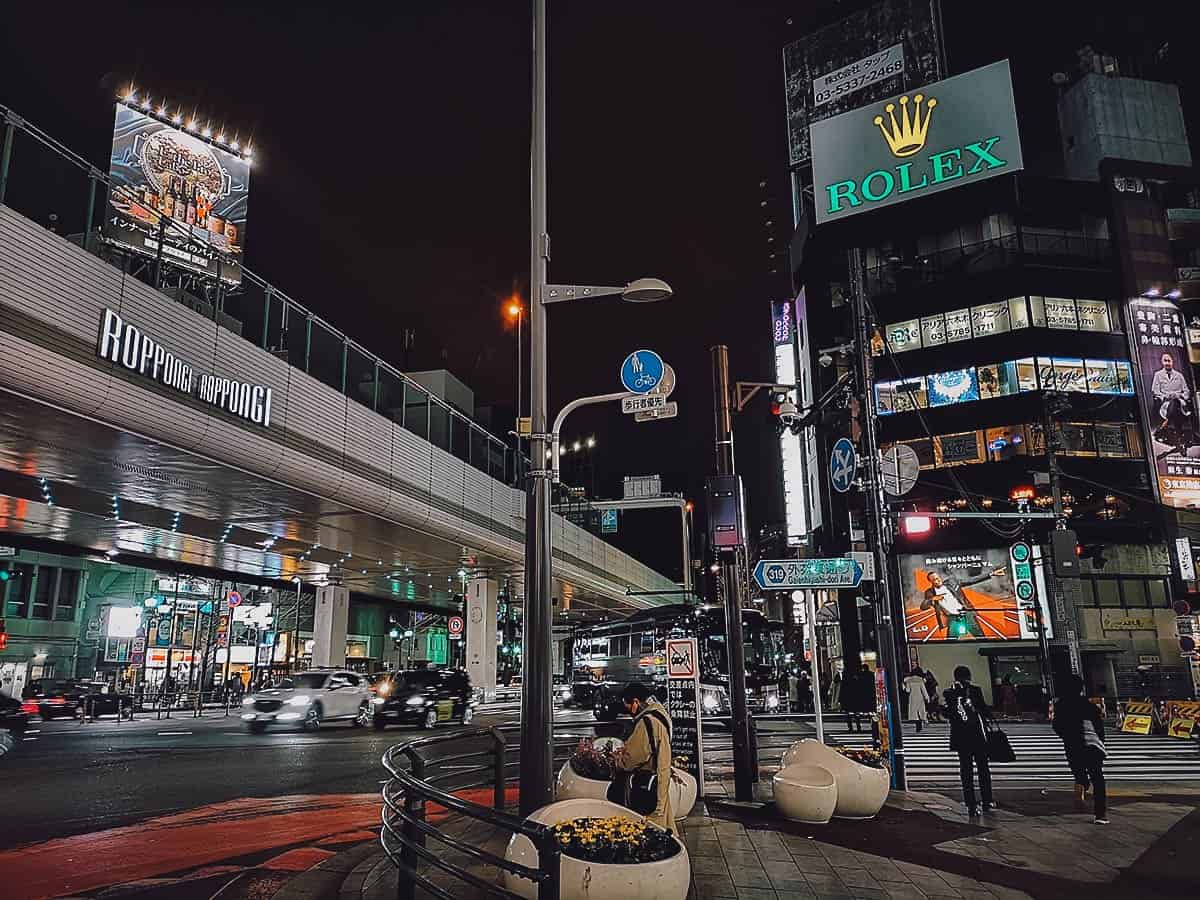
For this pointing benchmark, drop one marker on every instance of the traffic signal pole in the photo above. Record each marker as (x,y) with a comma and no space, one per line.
(745,759)
(878,527)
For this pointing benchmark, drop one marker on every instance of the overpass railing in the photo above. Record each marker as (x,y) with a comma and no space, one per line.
(64,192)
(430,856)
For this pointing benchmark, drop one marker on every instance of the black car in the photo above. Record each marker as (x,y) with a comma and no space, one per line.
(424,697)
(13,717)
(70,698)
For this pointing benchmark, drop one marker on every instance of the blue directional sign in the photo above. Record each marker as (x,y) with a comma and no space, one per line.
(608,521)
(642,371)
(843,465)
(789,574)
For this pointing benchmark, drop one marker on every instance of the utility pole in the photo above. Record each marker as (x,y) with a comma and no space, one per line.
(537,716)
(878,528)
(745,759)
(1064,587)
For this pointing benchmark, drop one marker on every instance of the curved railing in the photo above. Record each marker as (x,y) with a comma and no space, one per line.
(418,777)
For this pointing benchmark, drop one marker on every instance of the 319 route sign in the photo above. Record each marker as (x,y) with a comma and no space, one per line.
(790,574)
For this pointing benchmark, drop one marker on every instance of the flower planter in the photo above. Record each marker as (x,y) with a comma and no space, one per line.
(573,786)
(667,879)
(683,792)
(861,790)
(805,793)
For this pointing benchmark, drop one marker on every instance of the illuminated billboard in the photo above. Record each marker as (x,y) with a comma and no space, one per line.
(969,595)
(1168,397)
(191,191)
(889,47)
(932,138)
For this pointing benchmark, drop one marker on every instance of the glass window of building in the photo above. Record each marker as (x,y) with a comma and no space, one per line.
(1111,441)
(1018,312)
(955,386)
(933,330)
(958,449)
(903,336)
(1060,313)
(1078,439)
(1107,592)
(1070,374)
(958,325)
(1093,315)
(990,318)
(17,590)
(1087,593)
(1037,311)
(1026,374)
(1157,589)
(1045,374)
(68,593)
(1133,592)
(989,382)
(43,593)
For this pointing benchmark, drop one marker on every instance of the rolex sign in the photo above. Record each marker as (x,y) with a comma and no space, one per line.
(931,139)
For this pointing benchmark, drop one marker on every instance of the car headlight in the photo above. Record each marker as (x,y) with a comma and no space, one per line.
(247,701)
(384,689)
(377,700)
(710,701)
(772,701)
(299,700)
(566,693)
(414,701)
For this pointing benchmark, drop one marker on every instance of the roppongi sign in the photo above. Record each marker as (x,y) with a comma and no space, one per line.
(125,344)
(947,134)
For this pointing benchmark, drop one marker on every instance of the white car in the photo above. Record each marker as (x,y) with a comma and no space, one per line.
(309,699)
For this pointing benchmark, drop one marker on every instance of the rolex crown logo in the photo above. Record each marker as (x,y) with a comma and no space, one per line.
(907,136)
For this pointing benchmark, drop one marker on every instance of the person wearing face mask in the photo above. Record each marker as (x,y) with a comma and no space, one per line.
(969,718)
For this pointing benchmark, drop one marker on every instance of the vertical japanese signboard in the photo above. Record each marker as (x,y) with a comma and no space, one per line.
(1168,395)
(683,702)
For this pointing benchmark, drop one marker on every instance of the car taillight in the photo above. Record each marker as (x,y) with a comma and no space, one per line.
(56,701)
(29,706)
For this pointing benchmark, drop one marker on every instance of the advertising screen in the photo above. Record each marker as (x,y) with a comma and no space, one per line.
(963,595)
(888,47)
(194,193)
(957,386)
(1168,399)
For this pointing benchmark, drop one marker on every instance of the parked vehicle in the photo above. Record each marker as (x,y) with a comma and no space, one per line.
(511,691)
(424,697)
(69,698)
(13,717)
(310,699)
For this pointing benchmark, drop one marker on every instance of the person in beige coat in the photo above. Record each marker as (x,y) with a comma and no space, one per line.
(918,697)
(637,756)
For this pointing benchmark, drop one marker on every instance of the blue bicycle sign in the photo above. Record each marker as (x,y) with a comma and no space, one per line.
(642,371)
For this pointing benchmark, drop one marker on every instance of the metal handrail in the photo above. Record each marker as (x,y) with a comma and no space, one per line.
(405,830)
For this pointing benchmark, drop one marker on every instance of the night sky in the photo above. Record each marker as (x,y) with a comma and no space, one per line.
(391,187)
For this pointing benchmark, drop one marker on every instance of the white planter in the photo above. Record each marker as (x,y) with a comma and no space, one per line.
(683,792)
(667,879)
(805,793)
(861,790)
(573,786)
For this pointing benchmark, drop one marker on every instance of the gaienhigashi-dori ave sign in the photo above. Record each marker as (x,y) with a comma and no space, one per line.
(790,574)
(947,134)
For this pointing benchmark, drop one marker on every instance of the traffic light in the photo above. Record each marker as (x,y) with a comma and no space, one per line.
(5,574)
(3,634)
(913,526)
(1092,552)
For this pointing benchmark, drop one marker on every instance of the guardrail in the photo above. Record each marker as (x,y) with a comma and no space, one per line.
(406,830)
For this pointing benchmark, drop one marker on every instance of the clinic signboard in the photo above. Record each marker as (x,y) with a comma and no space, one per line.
(945,135)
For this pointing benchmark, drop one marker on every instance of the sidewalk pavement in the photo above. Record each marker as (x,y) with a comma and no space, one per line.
(921,845)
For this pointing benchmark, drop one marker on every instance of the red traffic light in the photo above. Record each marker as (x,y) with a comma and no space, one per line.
(915,525)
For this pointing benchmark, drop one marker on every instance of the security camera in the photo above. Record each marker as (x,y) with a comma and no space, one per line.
(825,360)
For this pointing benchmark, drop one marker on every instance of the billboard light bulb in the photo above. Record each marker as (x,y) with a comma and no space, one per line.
(234,145)
(207,131)
(178,118)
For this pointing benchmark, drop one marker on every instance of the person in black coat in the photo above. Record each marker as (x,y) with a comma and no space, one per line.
(1081,726)
(858,696)
(969,718)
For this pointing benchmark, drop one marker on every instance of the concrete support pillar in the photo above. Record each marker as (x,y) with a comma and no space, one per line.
(329,626)
(482,594)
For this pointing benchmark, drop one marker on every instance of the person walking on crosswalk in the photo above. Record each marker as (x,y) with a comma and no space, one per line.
(969,716)
(1081,726)
(914,687)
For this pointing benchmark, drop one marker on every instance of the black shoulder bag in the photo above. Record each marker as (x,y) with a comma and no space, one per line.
(638,790)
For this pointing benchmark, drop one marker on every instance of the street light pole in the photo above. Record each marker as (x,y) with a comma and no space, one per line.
(537,735)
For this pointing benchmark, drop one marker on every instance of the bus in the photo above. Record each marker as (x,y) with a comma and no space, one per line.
(608,656)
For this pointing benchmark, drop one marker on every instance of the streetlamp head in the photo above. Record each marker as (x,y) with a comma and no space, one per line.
(514,310)
(646,290)
(591,442)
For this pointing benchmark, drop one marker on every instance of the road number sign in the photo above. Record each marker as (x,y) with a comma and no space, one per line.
(789,574)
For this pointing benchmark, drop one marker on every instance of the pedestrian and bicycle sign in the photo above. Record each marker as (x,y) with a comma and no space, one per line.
(790,574)
(843,465)
(642,371)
